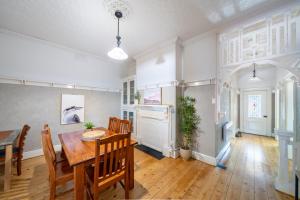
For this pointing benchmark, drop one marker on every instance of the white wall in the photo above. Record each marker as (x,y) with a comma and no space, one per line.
(27,58)
(156,67)
(200,57)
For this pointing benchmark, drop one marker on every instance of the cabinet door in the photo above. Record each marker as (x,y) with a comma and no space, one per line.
(131,92)
(125,93)
(124,115)
(131,118)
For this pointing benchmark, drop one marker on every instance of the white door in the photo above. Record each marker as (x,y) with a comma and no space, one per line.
(255,112)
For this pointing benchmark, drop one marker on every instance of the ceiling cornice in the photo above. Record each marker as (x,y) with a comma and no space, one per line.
(199,37)
(59,46)
(174,41)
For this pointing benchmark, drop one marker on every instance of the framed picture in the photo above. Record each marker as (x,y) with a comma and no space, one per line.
(72,109)
(152,96)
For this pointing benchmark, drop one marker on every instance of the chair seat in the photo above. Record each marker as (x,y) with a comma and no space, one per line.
(64,172)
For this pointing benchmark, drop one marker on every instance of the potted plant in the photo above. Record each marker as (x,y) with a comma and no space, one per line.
(137,97)
(89,125)
(188,124)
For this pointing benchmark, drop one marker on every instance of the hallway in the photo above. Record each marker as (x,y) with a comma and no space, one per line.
(252,169)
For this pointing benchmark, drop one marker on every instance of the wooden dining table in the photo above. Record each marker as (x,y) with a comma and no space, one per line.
(81,153)
(7,140)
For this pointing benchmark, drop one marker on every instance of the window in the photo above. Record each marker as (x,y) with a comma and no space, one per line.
(254,106)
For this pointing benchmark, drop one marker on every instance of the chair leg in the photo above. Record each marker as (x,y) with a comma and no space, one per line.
(115,186)
(126,187)
(88,197)
(52,191)
(19,166)
(96,195)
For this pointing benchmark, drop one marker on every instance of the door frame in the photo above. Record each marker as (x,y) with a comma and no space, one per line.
(268,108)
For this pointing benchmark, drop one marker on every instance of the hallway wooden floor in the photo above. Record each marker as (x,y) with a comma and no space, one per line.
(250,174)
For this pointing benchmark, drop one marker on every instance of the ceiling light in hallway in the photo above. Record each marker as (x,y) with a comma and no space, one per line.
(254,77)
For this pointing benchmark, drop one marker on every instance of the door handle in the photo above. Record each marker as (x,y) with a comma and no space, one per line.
(265,116)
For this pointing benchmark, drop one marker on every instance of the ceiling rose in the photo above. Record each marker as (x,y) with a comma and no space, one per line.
(117,5)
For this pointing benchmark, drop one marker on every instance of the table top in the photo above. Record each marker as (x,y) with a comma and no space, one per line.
(78,151)
(8,137)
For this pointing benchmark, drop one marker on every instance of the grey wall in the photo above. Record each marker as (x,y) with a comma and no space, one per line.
(204,139)
(33,105)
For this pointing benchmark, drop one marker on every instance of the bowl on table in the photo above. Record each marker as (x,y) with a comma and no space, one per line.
(92,135)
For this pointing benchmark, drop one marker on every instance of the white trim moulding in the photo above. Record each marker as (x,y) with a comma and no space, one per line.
(200,83)
(17,81)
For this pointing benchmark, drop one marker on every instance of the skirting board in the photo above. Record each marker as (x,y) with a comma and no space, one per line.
(204,158)
(210,159)
(38,152)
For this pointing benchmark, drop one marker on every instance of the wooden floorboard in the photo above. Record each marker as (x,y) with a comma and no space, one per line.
(250,175)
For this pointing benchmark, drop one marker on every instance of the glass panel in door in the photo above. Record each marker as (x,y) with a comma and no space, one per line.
(131,92)
(124,114)
(125,93)
(131,118)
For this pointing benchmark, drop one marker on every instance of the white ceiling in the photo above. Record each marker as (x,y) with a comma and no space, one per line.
(87,26)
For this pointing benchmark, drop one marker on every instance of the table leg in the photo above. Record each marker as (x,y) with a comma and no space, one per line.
(7,173)
(131,167)
(79,181)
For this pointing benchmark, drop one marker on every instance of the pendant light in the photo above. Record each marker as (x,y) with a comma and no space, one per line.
(117,53)
(254,77)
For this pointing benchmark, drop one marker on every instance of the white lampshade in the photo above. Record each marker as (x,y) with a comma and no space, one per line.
(117,53)
(255,78)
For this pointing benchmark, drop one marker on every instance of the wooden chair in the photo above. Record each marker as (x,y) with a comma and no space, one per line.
(59,172)
(114,124)
(125,126)
(59,156)
(111,165)
(18,149)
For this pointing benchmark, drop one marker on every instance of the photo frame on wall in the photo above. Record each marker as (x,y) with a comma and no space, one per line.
(72,109)
(152,96)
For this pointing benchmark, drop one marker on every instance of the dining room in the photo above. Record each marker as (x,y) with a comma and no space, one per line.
(130,99)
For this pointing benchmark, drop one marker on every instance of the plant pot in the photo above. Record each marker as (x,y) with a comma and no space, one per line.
(186,154)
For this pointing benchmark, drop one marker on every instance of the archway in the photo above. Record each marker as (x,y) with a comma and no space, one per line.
(293,68)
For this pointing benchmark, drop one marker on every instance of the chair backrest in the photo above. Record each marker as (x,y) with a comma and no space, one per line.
(22,138)
(114,151)
(50,160)
(125,126)
(49,139)
(114,124)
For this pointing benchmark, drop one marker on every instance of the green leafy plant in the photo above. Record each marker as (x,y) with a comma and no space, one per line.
(89,125)
(137,96)
(188,120)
